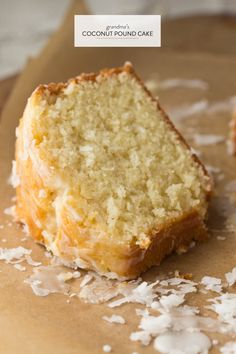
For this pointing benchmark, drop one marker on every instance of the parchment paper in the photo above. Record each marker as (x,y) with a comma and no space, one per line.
(36,325)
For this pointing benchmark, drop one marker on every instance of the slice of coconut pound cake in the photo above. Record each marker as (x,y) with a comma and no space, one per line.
(104,180)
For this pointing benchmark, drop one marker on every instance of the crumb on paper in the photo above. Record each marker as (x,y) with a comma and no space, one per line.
(106,348)
(215,341)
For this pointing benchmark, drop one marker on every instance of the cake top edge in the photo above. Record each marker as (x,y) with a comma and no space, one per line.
(56,88)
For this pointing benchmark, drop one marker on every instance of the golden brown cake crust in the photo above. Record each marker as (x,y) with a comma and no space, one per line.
(102,255)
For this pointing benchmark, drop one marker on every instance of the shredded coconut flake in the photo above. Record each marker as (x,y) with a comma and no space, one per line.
(11,254)
(114,319)
(44,281)
(141,336)
(225,307)
(14,179)
(211,283)
(182,343)
(208,139)
(172,300)
(228,348)
(65,276)
(142,294)
(185,83)
(231,277)
(224,105)
(86,279)
(31,262)
(19,267)
(154,84)
(100,290)
(189,110)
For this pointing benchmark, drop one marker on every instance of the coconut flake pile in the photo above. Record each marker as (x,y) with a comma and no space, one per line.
(166,320)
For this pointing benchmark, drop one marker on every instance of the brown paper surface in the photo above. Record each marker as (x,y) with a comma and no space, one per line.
(31,324)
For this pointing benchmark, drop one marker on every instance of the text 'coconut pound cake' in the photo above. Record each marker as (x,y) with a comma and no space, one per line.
(103,178)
